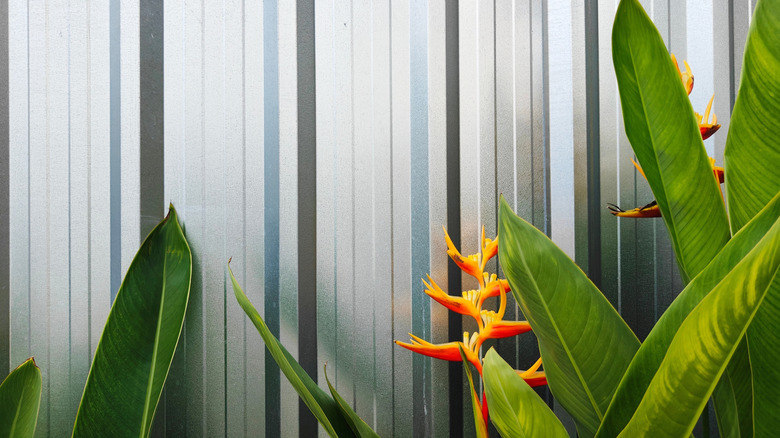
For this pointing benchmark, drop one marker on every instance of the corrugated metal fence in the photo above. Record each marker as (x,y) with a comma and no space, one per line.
(322,145)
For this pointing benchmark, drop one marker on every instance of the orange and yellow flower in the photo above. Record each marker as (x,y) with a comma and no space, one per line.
(490,324)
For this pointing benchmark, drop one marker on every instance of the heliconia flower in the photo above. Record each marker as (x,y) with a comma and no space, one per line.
(469,264)
(532,376)
(492,289)
(685,77)
(447,351)
(649,210)
(465,304)
(705,128)
(489,248)
(495,327)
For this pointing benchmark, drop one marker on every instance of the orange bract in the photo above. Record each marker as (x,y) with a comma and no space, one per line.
(490,323)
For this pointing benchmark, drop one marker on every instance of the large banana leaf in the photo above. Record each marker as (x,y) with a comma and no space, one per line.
(140,336)
(753,147)
(752,178)
(515,408)
(20,398)
(701,349)
(650,355)
(325,409)
(664,134)
(585,345)
(739,375)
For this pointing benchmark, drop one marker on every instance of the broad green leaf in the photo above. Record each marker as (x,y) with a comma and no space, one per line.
(664,134)
(700,351)
(324,408)
(515,408)
(763,342)
(356,423)
(20,398)
(650,355)
(585,345)
(740,377)
(752,149)
(725,403)
(140,336)
(480,423)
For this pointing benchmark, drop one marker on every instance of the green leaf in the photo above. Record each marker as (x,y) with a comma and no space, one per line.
(700,351)
(763,342)
(356,423)
(650,355)
(140,336)
(740,377)
(20,398)
(664,134)
(585,345)
(480,423)
(515,408)
(725,403)
(752,153)
(325,409)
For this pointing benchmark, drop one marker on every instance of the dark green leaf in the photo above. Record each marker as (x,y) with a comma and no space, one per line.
(356,423)
(324,408)
(753,149)
(705,342)
(20,399)
(664,134)
(651,353)
(515,408)
(480,425)
(136,349)
(585,345)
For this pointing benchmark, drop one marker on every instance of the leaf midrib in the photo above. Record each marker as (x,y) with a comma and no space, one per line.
(150,384)
(683,262)
(18,409)
(560,337)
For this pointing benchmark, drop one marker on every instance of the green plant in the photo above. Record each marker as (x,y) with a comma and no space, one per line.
(334,414)
(135,350)
(719,338)
(20,399)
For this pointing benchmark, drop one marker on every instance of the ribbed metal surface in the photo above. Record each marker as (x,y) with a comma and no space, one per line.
(326,176)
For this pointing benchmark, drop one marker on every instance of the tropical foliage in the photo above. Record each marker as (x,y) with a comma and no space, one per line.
(719,337)
(134,353)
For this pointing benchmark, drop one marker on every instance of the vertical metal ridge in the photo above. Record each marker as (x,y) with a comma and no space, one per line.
(271,197)
(453,203)
(5,217)
(546,120)
(593,128)
(420,215)
(307,204)
(116,148)
(152,116)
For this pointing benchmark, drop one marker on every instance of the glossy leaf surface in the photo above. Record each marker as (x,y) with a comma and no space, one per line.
(325,409)
(20,399)
(585,345)
(515,409)
(140,336)
(752,154)
(705,342)
(650,355)
(664,134)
